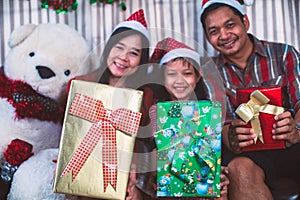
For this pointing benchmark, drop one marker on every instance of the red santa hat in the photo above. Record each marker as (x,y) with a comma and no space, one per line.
(169,49)
(136,22)
(237,4)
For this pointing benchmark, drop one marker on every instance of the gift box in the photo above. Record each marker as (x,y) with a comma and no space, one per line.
(188,141)
(97,141)
(258,107)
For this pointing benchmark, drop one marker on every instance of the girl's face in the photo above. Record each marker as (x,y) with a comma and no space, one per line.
(125,56)
(180,79)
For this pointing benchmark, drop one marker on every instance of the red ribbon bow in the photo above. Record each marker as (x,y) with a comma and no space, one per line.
(105,122)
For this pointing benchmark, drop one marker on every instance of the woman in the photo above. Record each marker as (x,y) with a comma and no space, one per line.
(125,56)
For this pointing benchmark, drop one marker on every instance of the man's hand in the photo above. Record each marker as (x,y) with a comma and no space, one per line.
(239,136)
(285,129)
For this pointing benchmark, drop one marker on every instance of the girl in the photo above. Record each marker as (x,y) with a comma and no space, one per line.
(179,66)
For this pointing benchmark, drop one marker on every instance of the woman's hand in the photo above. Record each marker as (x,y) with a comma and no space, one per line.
(133,193)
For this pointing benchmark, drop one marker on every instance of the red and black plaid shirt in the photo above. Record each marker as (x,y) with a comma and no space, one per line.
(271,64)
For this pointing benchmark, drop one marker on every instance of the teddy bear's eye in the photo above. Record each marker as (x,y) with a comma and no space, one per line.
(31,54)
(67,72)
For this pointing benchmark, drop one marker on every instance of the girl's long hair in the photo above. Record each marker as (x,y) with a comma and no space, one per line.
(115,37)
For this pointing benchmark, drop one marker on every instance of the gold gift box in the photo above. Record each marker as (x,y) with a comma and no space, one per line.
(89,180)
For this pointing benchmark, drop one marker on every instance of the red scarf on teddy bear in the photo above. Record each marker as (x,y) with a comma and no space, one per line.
(28,103)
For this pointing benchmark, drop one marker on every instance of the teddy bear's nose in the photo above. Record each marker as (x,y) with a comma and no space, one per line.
(44,72)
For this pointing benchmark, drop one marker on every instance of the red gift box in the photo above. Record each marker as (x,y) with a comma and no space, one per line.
(274,94)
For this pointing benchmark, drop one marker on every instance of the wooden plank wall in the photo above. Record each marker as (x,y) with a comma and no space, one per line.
(273,20)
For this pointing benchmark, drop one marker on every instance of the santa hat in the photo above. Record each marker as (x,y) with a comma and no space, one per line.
(169,49)
(237,4)
(136,22)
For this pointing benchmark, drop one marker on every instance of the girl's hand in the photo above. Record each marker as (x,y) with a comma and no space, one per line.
(224,181)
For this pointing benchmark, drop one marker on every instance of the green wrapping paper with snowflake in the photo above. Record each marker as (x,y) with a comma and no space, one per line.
(188,141)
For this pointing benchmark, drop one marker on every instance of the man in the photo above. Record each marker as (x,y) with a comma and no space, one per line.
(244,62)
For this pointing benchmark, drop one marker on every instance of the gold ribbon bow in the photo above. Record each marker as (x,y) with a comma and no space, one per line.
(250,111)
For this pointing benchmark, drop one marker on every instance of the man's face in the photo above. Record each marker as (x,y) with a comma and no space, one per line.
(226,32)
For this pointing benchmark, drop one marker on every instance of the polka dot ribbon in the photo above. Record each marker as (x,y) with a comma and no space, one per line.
(165,46)
(104,124)
(138,16)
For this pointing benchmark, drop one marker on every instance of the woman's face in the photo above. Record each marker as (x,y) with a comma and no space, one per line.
(180,79)
(125,56)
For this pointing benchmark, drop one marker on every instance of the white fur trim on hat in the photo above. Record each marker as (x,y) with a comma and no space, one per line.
(232,3)
(248,2)
(178,53)
(134,25)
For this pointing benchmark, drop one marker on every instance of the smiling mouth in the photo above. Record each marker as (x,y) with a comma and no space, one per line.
(120,66)
(180,89)
(228,44)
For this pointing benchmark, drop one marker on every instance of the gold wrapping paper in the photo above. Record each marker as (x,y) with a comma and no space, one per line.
(89,181)
(250,111)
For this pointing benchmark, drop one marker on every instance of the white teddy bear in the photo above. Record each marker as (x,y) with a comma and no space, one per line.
(42,60)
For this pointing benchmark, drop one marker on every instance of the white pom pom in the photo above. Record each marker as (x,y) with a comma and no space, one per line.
(248,2)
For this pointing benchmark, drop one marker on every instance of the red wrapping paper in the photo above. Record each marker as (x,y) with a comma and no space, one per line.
(266,120)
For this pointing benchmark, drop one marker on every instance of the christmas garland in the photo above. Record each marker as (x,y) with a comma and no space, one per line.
(63,6)
(28,103)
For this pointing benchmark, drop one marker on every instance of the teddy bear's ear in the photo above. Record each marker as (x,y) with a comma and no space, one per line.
(20,34)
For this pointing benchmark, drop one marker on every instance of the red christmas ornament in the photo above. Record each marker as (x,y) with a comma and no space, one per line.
(17,152)
(60,5)
(63,6)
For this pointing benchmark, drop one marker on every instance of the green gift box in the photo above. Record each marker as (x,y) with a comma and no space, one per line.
(188,141)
